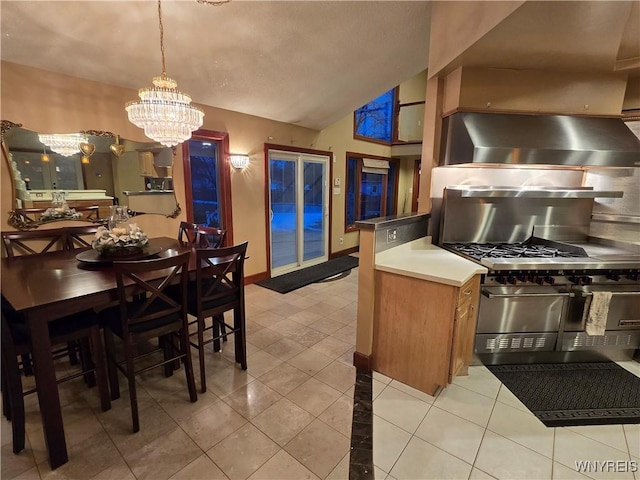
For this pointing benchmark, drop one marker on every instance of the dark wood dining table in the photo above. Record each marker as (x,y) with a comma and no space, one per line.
(50,286)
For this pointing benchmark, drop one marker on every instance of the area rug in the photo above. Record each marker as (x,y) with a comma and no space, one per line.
(572,394)
(294,280)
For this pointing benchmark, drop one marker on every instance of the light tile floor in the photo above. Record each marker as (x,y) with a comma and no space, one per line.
(477,429)
(289,415)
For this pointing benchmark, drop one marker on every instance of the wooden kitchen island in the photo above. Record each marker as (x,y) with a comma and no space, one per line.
(425,312)
(417,304)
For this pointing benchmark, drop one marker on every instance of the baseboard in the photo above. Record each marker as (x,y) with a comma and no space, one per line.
(342,253)
(362,361)
(256,277)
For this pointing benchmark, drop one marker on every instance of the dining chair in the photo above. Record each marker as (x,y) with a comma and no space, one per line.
(187,233)
(33,242)
(210,237)
(219,288)
(137,319)
(15,342)
(80,236)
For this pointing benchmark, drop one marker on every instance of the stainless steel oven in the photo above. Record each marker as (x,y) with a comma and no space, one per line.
(520,318)
(543,268)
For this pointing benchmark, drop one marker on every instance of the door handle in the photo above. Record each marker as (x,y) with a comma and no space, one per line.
(270,215)
(488,294)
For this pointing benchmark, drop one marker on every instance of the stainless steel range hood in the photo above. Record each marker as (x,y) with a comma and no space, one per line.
(517,139)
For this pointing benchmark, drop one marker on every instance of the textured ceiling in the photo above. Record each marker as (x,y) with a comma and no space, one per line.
(308,63)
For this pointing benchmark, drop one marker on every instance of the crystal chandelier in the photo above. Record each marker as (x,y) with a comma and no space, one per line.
(66,144)
(164,112)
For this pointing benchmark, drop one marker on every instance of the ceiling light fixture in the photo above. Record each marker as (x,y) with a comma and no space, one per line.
(165,113)
(239,161)
(65,144)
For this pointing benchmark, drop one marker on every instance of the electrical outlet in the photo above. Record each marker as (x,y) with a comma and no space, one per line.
(392,235)
(341,241)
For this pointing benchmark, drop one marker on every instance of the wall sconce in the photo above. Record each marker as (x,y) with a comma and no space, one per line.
(239,161)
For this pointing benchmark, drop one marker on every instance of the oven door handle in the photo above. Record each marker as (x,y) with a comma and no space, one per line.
(488,294)
(590,294)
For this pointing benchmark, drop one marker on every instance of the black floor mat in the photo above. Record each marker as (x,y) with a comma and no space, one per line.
(571,394)
(294,280)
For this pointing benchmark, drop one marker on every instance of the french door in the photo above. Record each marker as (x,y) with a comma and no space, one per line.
(299,210)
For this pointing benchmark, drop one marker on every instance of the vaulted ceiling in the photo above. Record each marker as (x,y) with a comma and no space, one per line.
(304,62)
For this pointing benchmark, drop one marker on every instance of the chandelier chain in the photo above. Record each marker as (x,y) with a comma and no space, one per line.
(164,70)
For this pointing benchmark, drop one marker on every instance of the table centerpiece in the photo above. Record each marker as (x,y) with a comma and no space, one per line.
(120,241)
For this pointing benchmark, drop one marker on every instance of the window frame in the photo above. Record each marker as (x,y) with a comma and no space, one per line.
(224,177)
(358,185)
(394,121)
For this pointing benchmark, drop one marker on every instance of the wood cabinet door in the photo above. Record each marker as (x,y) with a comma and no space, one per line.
(461,334)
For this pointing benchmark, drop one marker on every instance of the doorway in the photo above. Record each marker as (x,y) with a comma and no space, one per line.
(298,210)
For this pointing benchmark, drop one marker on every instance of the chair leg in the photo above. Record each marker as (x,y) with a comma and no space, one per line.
(86,362)
(112,370)
(27,366)
(203,380)
(133,397)
(215,328)
(167,347)
(185,348)
(240,336)
(72,348)
(101,368)
(223,329)
(13,385)
(6,402)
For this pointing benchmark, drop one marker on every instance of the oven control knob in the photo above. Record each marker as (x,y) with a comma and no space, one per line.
(613,276)
(633,276)
(576,280)
(540,280)
(511,280)
(587,280)
(550,280)
(501,280)
(523,277)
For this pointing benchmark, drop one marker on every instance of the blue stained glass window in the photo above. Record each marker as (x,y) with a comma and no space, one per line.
(375,119)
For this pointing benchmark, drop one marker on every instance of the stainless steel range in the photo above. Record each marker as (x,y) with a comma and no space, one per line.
(543,269)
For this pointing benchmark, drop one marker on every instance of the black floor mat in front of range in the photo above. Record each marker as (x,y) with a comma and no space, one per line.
(572,394)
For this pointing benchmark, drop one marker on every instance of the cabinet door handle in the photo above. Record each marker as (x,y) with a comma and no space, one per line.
(468,292)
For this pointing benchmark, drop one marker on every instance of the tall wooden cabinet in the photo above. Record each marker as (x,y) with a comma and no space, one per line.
(423,330)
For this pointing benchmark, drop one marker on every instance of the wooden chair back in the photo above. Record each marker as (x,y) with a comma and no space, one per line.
(81,236)
(187,233)
(210,237)
(33,242)
(153,304)
(219,279)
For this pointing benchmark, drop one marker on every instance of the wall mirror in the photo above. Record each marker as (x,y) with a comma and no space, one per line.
(86,169)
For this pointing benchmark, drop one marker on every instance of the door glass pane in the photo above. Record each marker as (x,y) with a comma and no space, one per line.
(282,176)
(371,195)
(203,156)
(314,193)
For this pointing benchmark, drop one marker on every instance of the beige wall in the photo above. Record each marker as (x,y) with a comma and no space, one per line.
(49,102)
(338,138)
(456,26)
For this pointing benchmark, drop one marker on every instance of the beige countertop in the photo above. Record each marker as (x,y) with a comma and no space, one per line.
(421,259)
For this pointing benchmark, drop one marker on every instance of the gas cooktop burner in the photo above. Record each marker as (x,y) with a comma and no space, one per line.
(478,251)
